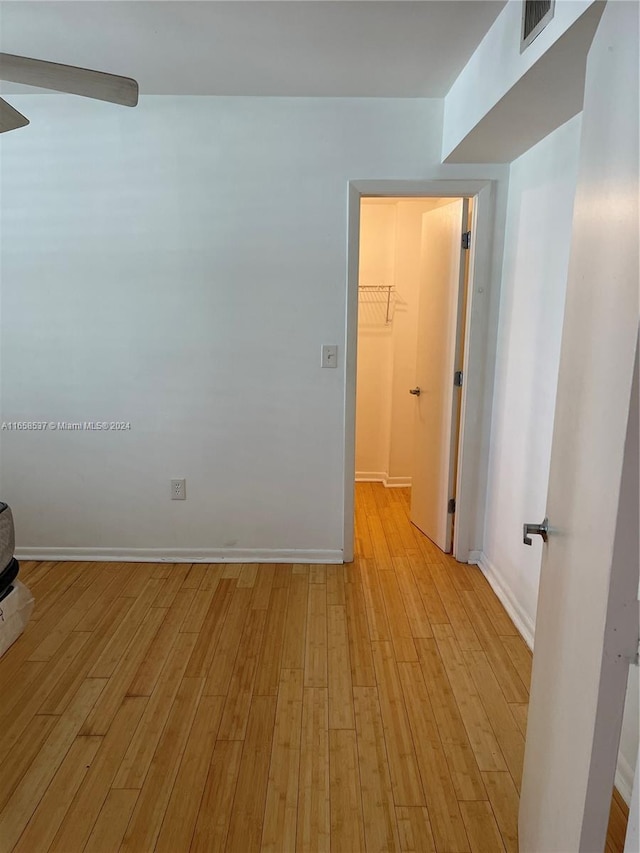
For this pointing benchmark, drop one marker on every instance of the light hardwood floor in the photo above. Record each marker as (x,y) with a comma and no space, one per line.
(376,706)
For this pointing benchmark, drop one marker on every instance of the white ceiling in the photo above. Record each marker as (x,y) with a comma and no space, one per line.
(256,47)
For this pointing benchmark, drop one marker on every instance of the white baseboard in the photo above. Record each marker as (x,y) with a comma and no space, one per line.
(382,477)
(520,619)
(179,555)
(624,778)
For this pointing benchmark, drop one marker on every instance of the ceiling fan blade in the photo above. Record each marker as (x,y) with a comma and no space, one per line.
(10,119)
(69,78)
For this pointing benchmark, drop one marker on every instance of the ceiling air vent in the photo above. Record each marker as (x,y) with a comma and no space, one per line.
(536,14)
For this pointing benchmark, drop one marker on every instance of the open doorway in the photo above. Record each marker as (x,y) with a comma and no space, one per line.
(412,284)
(475,340)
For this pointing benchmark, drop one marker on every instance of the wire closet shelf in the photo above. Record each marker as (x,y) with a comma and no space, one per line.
(380,301)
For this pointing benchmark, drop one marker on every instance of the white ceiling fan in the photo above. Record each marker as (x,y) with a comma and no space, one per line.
(61,78)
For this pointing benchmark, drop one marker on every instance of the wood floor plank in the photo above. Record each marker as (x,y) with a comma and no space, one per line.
(618,820)
(263,586)
(112,822)
(195,616)
(415,610)
(314,825)
(440,795)
(15,725)
(214,816)
(339,670)
(363,541)
(465,773)
(268,669)
(504,800)
(335,585)
(317,573)
(414,830)
(380,827)
(404,528)
(520,711)
(231,571)
(138,757)
(49,814)
(101,717)
(395,542)
(23,802)
(482,829)
(196,575)
(360,657)
(70,621)
(247,812)
(520,656)
(17,762)
(75,830)
(282,576)
(465,634)
(315,658)
(30,674)
(403,765)
(248,575)
(205,649)
(347,824)
(492,604)
(161,571)
(513,686)
(293,651)
(146,820)
(281,808)
(115,650)
(181,816)
(136,578)
(381,553)
(481,735)
(50,600)
(210,577)
(238,699)
(506,729)
(429,594)
(379,629)
(226,652)
(67,685)
(148,673)
(399,627)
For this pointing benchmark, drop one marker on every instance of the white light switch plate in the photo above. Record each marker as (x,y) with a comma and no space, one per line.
(329,355)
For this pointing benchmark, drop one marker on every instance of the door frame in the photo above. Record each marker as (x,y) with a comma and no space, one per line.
(479,353)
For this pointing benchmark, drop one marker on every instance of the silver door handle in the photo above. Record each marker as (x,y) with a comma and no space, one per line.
(415,391)
(535,529)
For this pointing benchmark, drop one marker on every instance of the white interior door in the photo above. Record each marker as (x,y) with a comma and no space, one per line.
(587,622)
(436,397)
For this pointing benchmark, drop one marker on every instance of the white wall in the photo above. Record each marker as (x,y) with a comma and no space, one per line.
(375,342)
(178,266)
(497,65)
(537,241)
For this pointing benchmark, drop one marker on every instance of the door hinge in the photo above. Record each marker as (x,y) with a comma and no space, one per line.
(457,379)
(451,508)
(466,239)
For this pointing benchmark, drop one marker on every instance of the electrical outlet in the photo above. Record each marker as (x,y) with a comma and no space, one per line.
(178,490)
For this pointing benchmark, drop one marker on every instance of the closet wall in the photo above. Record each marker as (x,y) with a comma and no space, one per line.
(390,238)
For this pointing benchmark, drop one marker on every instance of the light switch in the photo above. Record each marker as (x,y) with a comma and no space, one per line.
(329,355)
